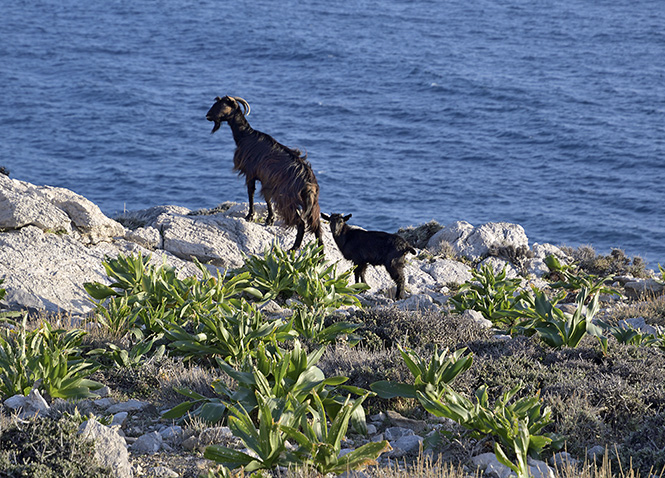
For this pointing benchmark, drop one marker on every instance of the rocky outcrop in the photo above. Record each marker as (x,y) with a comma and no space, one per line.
(53,240)
(55,210)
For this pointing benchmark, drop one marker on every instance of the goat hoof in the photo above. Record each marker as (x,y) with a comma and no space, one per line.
(249,217)
(270,221)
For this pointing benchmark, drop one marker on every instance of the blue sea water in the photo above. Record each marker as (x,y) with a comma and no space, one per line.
(550,114)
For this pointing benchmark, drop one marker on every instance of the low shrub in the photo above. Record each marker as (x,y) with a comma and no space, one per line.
(47,448)
(387,327)
(615,263)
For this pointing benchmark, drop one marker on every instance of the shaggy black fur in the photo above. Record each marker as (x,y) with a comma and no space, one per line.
(286,176)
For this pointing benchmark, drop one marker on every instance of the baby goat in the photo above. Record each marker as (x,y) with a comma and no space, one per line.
(286,176)
(371,247)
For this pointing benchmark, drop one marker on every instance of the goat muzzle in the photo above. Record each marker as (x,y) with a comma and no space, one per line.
(216,125)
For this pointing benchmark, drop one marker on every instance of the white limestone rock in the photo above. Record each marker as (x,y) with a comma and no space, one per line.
(110,448)
(476,242)
(52,209)
(28,406)
(491,467)
(147,444)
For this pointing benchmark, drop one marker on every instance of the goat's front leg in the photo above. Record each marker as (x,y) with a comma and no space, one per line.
(360,272)
(251,187)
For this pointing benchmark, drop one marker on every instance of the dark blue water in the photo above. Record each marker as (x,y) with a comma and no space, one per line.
(550,114)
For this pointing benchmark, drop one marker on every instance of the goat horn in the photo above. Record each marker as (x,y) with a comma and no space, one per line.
(245,105)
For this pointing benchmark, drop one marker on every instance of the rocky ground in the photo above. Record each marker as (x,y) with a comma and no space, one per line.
(53,240)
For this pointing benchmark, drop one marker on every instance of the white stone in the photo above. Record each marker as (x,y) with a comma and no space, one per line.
(409,444)
(148,237)
(447,271)
(147,444)
(30,405)
(477,318)
(394,433)
(103,402)
(497,264)
(491,466)
(53,209)
(171,432)
(110,448)
(639,287)
(476,242)
(454,234)
(163,472)
(638,323)
(119,419)
(131,405)
(417,302)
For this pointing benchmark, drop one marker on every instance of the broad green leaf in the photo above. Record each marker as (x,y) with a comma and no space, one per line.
(227,456)
(361,457)
(387,390)
(98,291)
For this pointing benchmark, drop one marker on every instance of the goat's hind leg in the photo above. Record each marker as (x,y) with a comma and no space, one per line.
(396,270)
(299,236)
(270,220)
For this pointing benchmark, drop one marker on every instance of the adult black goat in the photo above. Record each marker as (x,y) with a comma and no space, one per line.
(371,247)
(286,176)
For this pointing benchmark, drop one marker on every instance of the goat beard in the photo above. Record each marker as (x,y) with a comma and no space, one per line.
(216,127)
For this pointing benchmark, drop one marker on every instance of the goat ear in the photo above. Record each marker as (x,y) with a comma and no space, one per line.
(346,218)
(217,98)
(325,216)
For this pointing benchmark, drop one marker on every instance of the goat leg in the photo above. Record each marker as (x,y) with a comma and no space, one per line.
(299,236)
(251,187)
(270,220)
(360,272)
(396,271)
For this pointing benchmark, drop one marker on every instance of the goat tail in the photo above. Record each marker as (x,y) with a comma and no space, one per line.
(312,210)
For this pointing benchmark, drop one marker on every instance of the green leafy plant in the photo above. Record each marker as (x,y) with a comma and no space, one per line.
(47,358)
(488,293)
(227,333)
(432,377)
(660,268)
(117,317)
(309,322)
(516,426)
(320,445)
(558,328)
(141,286)
(318,287)
(135,356)
(305,274)
(288,417)
(274,373)
(629,335)
(571,279)
(268,442)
